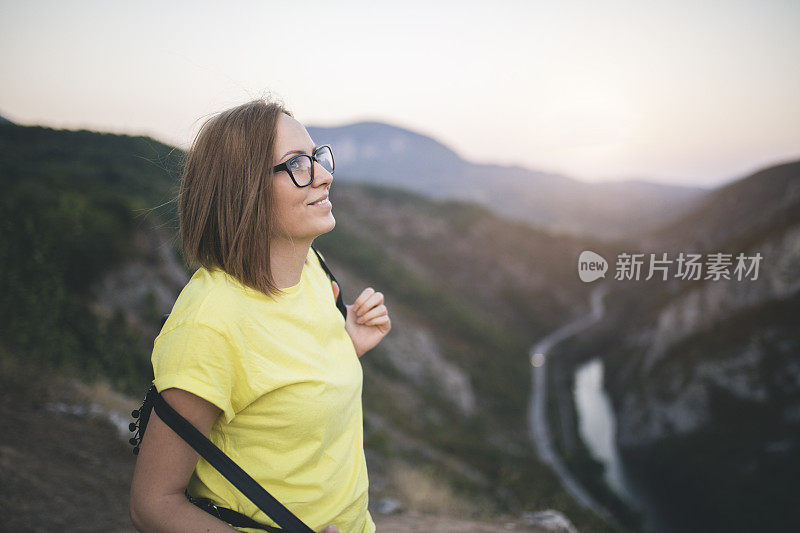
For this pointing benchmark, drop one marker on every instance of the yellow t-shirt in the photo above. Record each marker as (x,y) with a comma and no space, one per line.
(287,378)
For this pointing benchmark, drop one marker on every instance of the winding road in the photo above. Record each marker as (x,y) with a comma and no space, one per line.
(537,417)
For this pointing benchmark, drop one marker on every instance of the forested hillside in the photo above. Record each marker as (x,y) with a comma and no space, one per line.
(90,263)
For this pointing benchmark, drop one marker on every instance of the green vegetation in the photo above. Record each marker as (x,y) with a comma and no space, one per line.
(67,204)
(505,380)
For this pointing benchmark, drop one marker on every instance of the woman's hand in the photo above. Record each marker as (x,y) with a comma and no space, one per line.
(330,529)
(367,319)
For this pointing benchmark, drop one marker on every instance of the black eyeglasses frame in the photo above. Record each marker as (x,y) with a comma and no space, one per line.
(313,158)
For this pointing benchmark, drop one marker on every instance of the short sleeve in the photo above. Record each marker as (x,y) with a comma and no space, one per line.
(199,359)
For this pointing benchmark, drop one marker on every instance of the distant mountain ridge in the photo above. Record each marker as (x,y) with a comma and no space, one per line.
(385,154)
(765,201)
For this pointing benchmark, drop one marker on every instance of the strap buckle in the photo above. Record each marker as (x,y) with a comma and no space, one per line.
(205,504)
(215,508)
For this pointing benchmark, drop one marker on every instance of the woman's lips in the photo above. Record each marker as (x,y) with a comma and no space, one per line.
(323,204)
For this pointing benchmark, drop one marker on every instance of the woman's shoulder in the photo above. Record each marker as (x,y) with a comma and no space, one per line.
(210,298)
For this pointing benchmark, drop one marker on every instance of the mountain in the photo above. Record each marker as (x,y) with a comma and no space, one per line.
(745,210)
(90,263)
(384,154)
(704,375)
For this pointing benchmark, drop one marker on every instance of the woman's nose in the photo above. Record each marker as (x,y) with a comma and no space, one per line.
(321,174)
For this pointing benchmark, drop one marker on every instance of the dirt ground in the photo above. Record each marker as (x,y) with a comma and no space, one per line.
(59,471)
(62,470)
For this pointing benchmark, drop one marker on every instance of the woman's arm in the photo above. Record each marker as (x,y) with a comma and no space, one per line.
(164,466)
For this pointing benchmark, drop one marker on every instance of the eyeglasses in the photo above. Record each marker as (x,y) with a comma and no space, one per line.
(301,166)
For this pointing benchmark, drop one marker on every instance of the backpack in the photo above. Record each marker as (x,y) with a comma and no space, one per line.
(218,459)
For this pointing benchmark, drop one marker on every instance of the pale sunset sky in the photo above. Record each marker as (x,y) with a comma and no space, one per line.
(683,92)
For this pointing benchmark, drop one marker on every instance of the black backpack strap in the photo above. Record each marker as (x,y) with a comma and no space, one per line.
(230,516)
(230,470)
(339,299)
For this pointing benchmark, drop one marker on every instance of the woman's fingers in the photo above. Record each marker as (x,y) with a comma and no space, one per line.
(335,289)
(363,297)
(372,313)
(377,321)
(367,300)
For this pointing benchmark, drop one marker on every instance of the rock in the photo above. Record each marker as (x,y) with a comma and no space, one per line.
(146,284)
(415,353)
(389,506)
(550,520)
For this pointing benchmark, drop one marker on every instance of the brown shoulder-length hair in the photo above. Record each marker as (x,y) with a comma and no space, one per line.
(225,201)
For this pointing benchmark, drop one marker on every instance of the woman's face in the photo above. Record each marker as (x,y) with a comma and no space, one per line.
(296,218)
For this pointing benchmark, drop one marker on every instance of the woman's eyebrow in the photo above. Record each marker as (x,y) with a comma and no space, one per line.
(298,152)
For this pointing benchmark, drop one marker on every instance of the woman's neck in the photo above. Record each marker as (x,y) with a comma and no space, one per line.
(286,259)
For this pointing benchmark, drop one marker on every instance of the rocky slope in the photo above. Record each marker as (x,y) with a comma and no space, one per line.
(705,374)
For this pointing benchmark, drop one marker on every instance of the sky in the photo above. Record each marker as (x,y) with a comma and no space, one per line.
(680,92)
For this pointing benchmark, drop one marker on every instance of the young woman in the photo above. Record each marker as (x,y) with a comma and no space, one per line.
(255,353)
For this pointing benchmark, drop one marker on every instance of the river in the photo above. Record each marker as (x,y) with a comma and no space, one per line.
(597,427)
(537,417)
(596,423)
